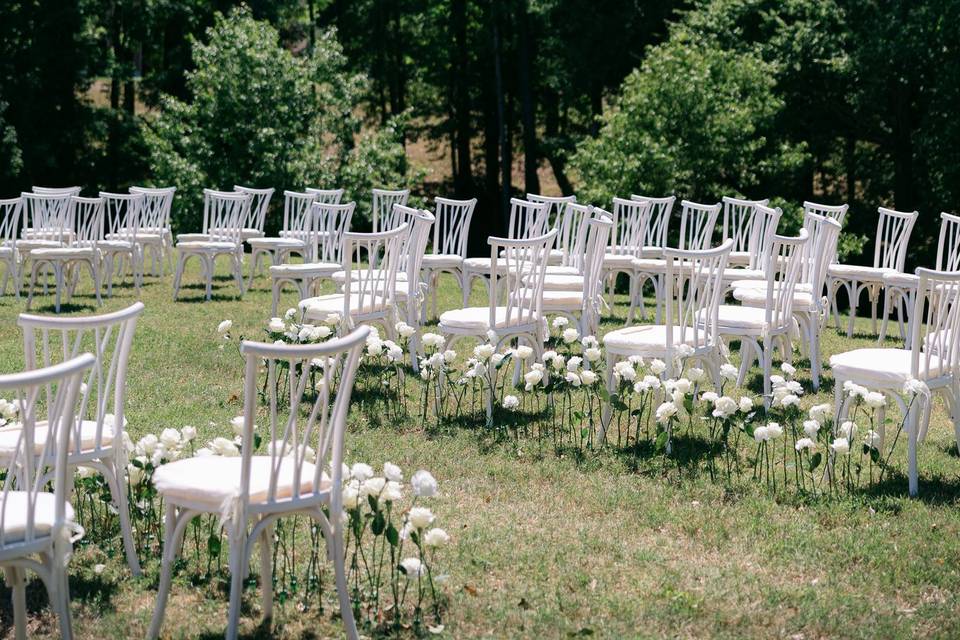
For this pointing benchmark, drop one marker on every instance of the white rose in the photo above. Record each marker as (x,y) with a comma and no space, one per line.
(435,538)
(361,471)
(760,434)
(392,472)
(291,312)
(666,411)
(511,402)
(848,430)
(433,340)
(841,446)
(392,492)
(170,438)
(372,486)
(449,356)
(523,352)
(774,430)
(682,385)
(709,396)
(729,371)
(695,374)
(570,335)
(560,322)
(592,354)
(483,351)
(351,497)
(574,363)
(875,399)
(788,368)
(188,433)
(237,424)
(746,404)
(148,444)
(724,407)
(135,474)
(412,567)
(805,443)
(658,366)
(588,377)
(913,387)
(572,378)
(404,330)
(532,378)
(224,447)
(811,428)
(790,400)
(820,412)
(872,439)
(424,484)
(224,326)
(276,325)
(420,517)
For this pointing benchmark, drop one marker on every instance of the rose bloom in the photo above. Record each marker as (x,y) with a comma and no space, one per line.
(805,443)
(570,335)
(412,567)
(588,377)
(420,517)
(423,483)
(436,538)
(392,472)
(841,446)
(592,354)
(523,352)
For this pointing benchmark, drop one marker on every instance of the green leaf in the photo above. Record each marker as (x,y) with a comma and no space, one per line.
(393,536)
(214,544)
(661,442)
(379,524)
(815,460)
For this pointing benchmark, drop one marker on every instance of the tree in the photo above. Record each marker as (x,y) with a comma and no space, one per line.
(258,115)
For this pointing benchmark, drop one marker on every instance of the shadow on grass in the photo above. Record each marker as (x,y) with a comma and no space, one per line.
(94,592)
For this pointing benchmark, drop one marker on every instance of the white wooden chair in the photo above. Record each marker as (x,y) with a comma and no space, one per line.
(451,231)
(759,328)
(157,208)
(932,358)
(889,254)
(37,526)
(122,248)
(84,250)
(368,295)
(326,196)
(518,268)
(697,225)
(383,216)
(297,224)
(655,236)
(97,435)
(582,304)
(252,491)
(47,224)
(810,307)
(838,212)
(899,288)
(330,222)
(631,219)
(527,220)
(763,227)
(224,213)
(56,191)
(738,225)
(259,206)
(11,217)
(557,219)
(693,289)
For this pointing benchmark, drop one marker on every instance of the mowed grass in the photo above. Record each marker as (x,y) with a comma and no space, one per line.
(546,546)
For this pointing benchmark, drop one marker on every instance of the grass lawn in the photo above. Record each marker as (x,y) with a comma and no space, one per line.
(547,546)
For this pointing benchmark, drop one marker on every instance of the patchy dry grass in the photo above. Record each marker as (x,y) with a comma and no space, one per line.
(549,547)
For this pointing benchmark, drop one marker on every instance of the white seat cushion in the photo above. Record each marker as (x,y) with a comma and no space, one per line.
(478,319)
(732,275)
(305,269)
(213,480)
(275,243)
(562,300)
(901,280)
(209,245)
(739,258)
(9,436)
(563,283)
(560,270)
(655,265)
(858,272)
(481,264)
(340,276)
(755,297)
(36,243)
(401,289)
(651,252)
(320,307)
(618,260)
(13,506)
(650,339)
(887,368)
(192,237)
(115,245)
(732,319)
(441,261)
(64,253)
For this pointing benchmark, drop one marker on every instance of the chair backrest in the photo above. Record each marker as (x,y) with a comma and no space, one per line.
(157,206)
(631,219)
(783,270)
(452,226)
(837,212)
(661,210)
(371,288)
(527,219)
(893,238)
(821,251)
(224,215)
(520,278)
(598,228)
(556,207)
(738,220)
(90,221)
(11,217)
(330,222)
(305,426)
(296,211)
(697,222)
(935,325)
(123,213)
(694,288)
(27,473)
(384,216)
(47,216)
(762,229)
(577,249)
(948,245)
(259,205)
(326,196)
(48,340)
(415,247)
(57,191)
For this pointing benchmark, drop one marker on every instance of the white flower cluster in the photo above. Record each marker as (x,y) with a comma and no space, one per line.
(436,360)
(285,331)
(151,451)
(8,411)
(786,391)
(383,349)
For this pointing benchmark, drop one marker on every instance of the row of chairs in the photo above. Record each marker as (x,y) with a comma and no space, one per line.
(70,403)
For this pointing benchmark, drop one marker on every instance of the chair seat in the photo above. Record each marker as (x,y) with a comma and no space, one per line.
(64,253)
(321,307)
(858,272)
(561,300)
(13,506)
(9,436)
(210,481)
(441,261)
(401,289)
(115,245)
(556,257)
(306,269)
(139,235)
(478,319)
(247,233)
(560,270)
(739,258)
(618,260)
(206,246)
(901,280)
(481,264)
(756,297)
(732,275)
(295,235)
(562,283)
(655,265)
(340,276)
(192,237)
(886,368)
(648,339)
(36,243)
(276,243)
(733,319)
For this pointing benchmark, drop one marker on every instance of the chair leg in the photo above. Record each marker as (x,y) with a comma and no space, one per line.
(238,547)
(465,289)
(913,423)
(60,577)
(210,264)
(275,287)
(340,571)
(118,490)
(177,275)
(266,571)
(15,579)
(885,319)
(853,290)
(238,272)
(166,569)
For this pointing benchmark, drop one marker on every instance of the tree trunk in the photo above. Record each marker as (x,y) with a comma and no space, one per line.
(506,152)
(463,175)
(903,187)
(530,153)
(553,149)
